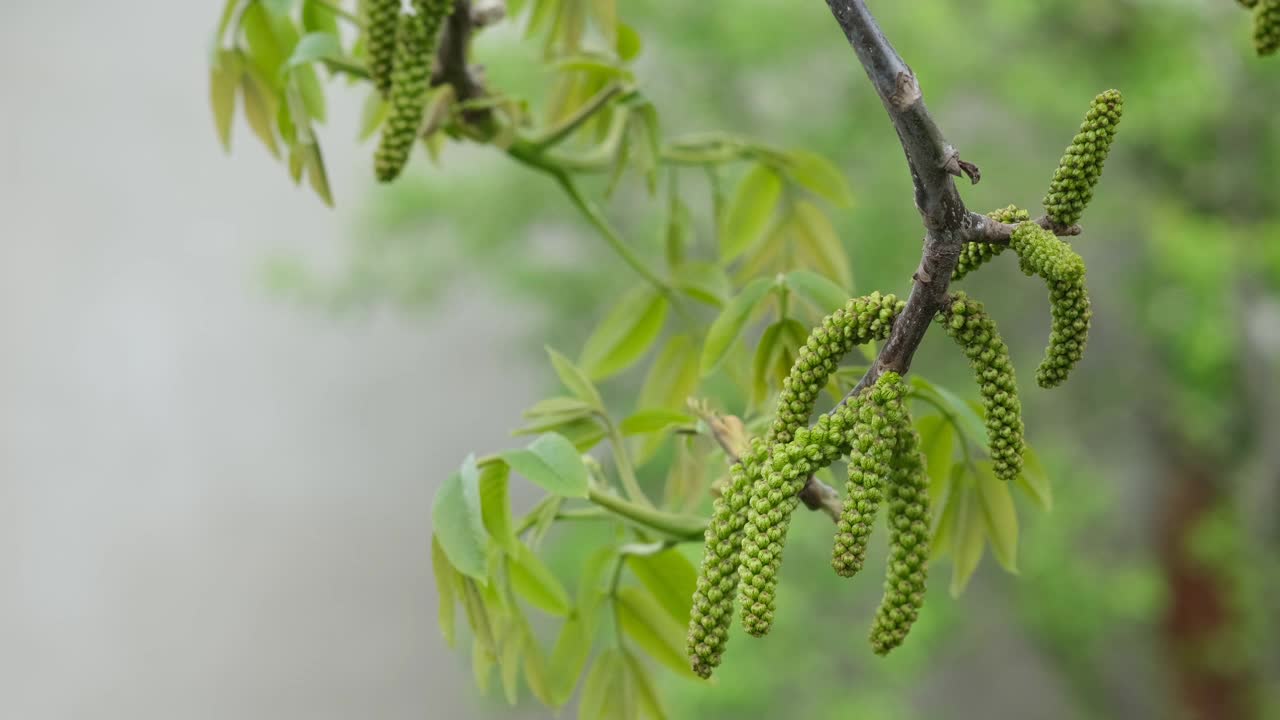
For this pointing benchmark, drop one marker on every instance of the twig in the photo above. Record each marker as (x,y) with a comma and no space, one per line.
(985,230)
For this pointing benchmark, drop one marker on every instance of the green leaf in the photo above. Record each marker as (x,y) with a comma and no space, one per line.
(371,116)
(482,662)
(653,420)
(510,665)
(819,244)
(315,46)
(605,14)
(308,84)
(552,463)
(825,296)
(477,614)
(1034,482)
(647,697)
(537,674)
(279,7)
(316,174)
(1000,516)
(937,444)
(592,576)
(604,695)
(703,281)
(318,18)
(673,376)
(561,408)
(747,214)
(267,50)
(568,658)
(260,109)
(446,583)
(670,577)
(768,352)
(534,581)
(678,231)
(816,174)
(224,79)
(458,522)
(583,433)
(575,381)
(629,44)
(645,622)
(495,505)
(729,325)
(967,538)
(948,507)
(625,334)
(960,412)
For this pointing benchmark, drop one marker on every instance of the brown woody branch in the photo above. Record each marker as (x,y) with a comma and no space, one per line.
(451,64)
(986,230)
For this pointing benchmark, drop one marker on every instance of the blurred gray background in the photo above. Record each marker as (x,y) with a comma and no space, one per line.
(212,504)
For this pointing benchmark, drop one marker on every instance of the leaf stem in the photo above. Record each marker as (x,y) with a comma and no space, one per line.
(684,528)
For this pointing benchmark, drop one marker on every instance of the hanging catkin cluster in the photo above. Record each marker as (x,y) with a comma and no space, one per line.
(861,320)
(380,20)
(969,325)
(1266,27)
(1081,165)
(908,500)
(974,255)
(410,79)
(1041,253)
(870,463)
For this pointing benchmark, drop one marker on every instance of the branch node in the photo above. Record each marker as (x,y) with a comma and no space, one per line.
(906,91)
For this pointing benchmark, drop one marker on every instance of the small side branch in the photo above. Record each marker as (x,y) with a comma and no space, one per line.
(985,230)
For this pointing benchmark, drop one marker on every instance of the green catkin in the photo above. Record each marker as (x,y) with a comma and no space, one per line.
(976,333)
(908,512)
(870,460)
(1041,253)
(858,322)
(381,18)
(1266,27)
(1081,165)
(415,48)
(974,255)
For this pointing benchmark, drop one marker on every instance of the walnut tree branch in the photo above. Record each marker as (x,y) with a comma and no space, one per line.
(985,230)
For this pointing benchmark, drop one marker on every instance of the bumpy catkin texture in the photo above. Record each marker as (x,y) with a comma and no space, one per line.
(859,321)
(1041,253)
(1266,27)
(1081,165)
(870,460)
(975,332)
(774,498)
(908,504)
(717,585)
(415,49)
(381,17)
(974,255)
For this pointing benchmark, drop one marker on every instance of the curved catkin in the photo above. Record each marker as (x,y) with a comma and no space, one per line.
(381,18)
(975,332)
(1081,165)
(1266,27)
(870,459)
(1041,253)
(415,49)
(859,321)
(774,499)
(974,255)
(713,597)
(908,510)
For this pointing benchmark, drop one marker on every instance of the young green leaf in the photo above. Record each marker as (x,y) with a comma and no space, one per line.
(552,463)
(318,18)
(605,15)
(647,697)
(224,79)
(819,244)
(477,613)
(625,334)
(482,661)
(969,423)
(968,536)
(653,420)
(537,673)
(937,444)
(824,295)
(653,629)
(816,174)
(999,515)
(1034,482)
(458,521)
(604,693)
(260,109)
(673,377)
(729,325)
(568,658)
(509,663)
(629,44)
(267,50)
(703,281)
(495,505)
(670,577)
(747,215)
(373,113)
(317,176)
(446,584)
(534,581)
(315,46)
(942,529)
(575,381)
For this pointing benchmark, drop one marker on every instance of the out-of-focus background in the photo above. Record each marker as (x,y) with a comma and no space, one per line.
(224,408)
